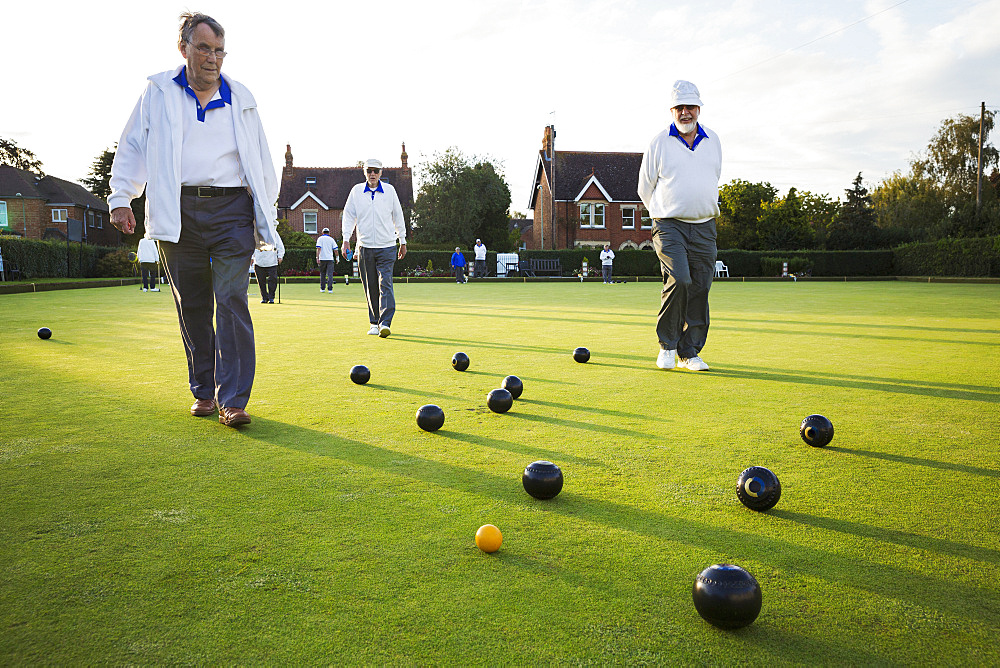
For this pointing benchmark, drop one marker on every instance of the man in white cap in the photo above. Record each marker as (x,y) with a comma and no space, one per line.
(679,184)
(480,267)
(326,255)
(374,212)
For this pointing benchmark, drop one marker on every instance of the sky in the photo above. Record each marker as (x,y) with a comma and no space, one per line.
(803,93)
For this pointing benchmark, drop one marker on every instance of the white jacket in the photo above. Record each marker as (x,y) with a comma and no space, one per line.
(378,220)
(149,154)
(270,258)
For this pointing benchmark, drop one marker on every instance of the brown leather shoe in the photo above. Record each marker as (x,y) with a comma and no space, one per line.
(233,417)
(203,407)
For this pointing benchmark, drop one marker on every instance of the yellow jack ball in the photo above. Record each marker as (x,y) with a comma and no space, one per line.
(489,538)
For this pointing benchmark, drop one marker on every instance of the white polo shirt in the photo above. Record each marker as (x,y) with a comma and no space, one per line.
(326,245)
(209,156)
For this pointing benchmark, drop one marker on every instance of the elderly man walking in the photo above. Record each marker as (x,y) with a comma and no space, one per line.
(374,212)
(679,184)
(195,142)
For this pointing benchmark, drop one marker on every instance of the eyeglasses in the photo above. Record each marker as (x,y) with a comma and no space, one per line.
(374,170)
(206,50)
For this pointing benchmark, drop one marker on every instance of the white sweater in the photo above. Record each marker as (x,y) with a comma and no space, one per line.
(149,154)
(378,220)
(676,182)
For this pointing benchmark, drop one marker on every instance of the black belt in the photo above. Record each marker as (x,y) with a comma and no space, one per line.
(211,191)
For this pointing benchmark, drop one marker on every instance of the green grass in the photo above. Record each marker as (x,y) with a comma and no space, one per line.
(333,531)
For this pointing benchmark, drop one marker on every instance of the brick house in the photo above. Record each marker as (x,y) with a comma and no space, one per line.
(312,198)
(38,206)
(596,200)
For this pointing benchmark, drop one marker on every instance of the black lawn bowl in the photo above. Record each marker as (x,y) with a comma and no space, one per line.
(542,479)
(513,385)
(758,488)
(727,596)
(460,362)
(499,400)
(45,333)
(816,430)
(360,374)
(581,355)
(430,417)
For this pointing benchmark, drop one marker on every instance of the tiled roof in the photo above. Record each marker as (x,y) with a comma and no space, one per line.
(617,172)
(49,188)
(333,184)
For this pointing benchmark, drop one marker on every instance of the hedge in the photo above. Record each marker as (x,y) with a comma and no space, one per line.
(949,257)
(48,259)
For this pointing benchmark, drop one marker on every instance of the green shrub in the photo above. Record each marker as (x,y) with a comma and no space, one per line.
(775,266)
(949,257)
(114,265)
(51,259)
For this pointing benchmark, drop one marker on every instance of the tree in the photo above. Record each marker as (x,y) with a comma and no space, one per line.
(783,224)
(462,198)
(741,206)
(951,160)
(97,181)
(854,227)
(15,156)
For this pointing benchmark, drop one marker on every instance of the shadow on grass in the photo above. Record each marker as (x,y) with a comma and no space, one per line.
(918,588)
(531,453)
(862,325)
(504,345)
(811,332)
(922,388)
(919,461)
(592,409)
(576,424)
(927,543)
(407,390)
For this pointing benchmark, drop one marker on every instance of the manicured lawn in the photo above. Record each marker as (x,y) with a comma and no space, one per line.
(333,531)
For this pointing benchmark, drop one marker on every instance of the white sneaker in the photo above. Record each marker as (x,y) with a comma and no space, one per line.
(322,290)
(373,330)
(144,290)
(693,364)
(665,360)
(383,331)
(154,289)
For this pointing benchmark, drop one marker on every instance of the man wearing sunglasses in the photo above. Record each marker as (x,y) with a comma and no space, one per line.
(196,144)
(374,212)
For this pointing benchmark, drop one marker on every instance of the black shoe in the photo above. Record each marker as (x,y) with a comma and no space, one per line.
(270,301)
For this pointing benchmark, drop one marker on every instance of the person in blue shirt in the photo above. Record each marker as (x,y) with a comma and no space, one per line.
(458,265)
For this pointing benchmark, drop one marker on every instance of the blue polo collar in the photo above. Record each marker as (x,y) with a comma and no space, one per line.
(225,95)
(377,190)
(697,140)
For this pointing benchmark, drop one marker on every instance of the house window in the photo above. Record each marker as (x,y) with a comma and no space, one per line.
(309,221)
(59,215)
(647,222)
(628,217)
(3,214)
(100,221)
(310,180)
(90,219)
(591,214)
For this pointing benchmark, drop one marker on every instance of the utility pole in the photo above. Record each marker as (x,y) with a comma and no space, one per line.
(979,173)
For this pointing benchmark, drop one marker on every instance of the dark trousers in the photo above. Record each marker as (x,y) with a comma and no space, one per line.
(375,266)
(687,255)
(606,270)
(207,271)
(325,274)
(459,274)
(148,270)
(267,281)
(480,268)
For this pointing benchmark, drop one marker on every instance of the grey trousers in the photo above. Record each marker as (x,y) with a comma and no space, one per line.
(375,266)
(207,271)
(687,255)
(606,270)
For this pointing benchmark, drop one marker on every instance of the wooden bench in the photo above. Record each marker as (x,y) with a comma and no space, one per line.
(546,266)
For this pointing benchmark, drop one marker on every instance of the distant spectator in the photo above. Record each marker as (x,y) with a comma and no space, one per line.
(148,256)
(326,255)
(458,265)
(607,258)
(480,249)
(266,267)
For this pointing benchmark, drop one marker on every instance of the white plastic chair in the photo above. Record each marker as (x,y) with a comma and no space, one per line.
(721,269)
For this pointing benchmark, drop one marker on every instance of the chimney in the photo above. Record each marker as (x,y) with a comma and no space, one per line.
(549,141)
(402,158)
(288,156)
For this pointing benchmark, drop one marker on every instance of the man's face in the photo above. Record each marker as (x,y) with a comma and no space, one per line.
(203,70)
(373,174)
(686,117)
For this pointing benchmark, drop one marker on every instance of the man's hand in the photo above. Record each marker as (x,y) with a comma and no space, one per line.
(402,251)
(345,248)
(123,219)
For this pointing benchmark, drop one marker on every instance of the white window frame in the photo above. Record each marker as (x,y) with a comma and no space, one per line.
(91,216)
(3,215)
(100,221)
(645,221)
(587,220)
(60,215)
(310,180)
(631,210)
(315,222)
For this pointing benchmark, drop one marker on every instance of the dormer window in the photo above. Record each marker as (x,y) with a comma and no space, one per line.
(310,180)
